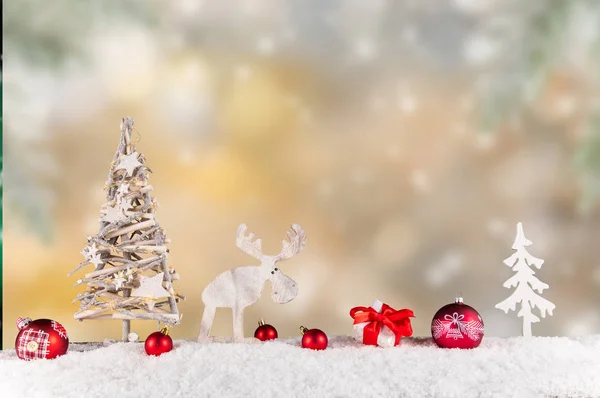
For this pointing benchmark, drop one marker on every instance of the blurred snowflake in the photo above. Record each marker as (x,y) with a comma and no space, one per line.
(596,275)
(188,8)
(480,49)
(377,104)
(393,152)
(243,72)
(497,227)
(265,46)
(582,325)
(409,35)
(485,142)
(406,101)
(360,176)
(325,189)
(442,271)
(420,181)
(187,157)
(474,6)
(365,49)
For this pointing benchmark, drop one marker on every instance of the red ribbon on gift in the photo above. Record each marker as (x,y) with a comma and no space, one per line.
(397,321)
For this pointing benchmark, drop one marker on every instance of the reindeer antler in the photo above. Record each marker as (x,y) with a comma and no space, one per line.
(245,243)
(295,245)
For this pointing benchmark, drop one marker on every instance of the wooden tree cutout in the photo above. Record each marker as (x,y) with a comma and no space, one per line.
(525,283)
(131,279)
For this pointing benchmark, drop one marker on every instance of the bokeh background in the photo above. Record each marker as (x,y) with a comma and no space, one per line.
(407,137)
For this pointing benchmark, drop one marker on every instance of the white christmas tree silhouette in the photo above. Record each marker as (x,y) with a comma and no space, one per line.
(525,283)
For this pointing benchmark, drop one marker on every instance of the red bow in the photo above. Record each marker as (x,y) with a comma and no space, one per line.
(397,321)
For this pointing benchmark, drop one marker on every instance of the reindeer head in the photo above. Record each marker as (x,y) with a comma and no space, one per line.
(283,288)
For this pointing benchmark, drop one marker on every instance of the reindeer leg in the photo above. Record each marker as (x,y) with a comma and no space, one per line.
(207,320)
(238,324)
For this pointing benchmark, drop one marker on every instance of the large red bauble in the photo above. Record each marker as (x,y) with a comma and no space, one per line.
(315,339)
(40,339)
(457,325)
(158,343)
(265,332)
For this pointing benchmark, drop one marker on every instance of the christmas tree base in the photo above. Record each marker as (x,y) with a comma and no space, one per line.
(538,366)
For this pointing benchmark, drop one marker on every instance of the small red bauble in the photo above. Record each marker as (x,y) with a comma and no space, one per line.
(265,332)
(40,339)
(457,325)
(314,339)
(158,343)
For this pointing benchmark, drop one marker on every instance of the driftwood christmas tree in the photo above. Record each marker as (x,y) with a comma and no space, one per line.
(131,279)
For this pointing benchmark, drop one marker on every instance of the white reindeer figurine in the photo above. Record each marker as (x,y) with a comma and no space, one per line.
(241,287)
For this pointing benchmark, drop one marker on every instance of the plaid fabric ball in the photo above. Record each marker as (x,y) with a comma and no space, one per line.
(40,339)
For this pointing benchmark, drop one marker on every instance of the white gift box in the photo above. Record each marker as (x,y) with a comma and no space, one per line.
(386,337)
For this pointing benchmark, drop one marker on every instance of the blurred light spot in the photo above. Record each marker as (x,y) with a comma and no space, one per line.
(97,193)
(393,152)
(582,325)
(567,268)
(466,104)
(251,202)
(565,105)
(365,49)
(255,7)
(305,277)
(341,224)
(192,72)
(377,104)
(293,101)
(412,4)
(289,35)
(485,141)
(406,101)
(186,95)
(480,49)
(176,40)
(26,114)
(460,130)
(497,226)
(394,242)
(359,176)
(265,46)
(325,189)
(409,35)
(582,34)
(473,6)
(420,181)
(446,268)
(597,275)
(498,324)
(132,80)
(188,7)
(255,107)
(407,104)
(243,72)
(186,157)
(306,116)
(91,225)
(578,329)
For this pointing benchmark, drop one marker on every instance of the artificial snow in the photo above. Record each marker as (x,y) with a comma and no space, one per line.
(515,367)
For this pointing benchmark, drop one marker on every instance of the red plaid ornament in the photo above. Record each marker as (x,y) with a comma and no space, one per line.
(40,339)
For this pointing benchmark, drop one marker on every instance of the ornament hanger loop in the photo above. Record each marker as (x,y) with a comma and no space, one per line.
(138,136)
